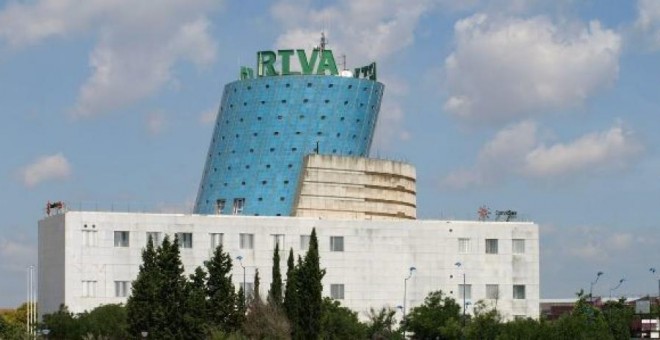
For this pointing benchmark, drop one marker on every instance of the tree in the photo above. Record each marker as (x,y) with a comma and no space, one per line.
(223,307)
(525,329)
(437,318)
(255,294)
(275,293)
(340,322)
(9,329)
(63,325)
(105,322)
(196,314)
(291,298)
(265,321)
(485,324)
(381,325)
(144,293)
(618,316)
(584,322)
(310,276)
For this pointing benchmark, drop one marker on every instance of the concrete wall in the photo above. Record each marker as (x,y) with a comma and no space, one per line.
(376,258)
(336,187)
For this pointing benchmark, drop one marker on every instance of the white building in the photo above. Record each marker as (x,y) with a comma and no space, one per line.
(87,259)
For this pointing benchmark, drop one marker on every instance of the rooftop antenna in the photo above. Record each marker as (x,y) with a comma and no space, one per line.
(343,62)
(323,42)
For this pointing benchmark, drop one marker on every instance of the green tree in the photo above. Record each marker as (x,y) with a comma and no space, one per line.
(144,293)
(486,323)
(584,322)
(9,329)
(196,314)
(63,325)
(382,325)
(105,322)
(223,306)
(437,318)
(170,308)
(291,298)
(525,329)
(275,293)
(257,286)
(265,321)
(340,322)
(618,316)
(310,286)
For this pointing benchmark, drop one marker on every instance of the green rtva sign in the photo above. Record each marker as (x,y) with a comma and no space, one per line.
(320,62)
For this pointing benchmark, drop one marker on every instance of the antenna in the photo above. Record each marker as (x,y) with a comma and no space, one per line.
(323,42)
(343,62)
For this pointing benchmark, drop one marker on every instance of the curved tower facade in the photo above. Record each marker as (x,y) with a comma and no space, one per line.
(267,125)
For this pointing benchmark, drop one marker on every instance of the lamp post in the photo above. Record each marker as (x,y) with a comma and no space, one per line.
(591,287)
(411,270)
(45,332)
(653,271)
(617,287)
(458,266)
(144,334)
(240,261)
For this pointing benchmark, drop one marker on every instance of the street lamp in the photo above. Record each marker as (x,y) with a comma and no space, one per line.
(652,270)
(458,266)
(617,287)
(240,261)
(411,270)
(591,287)
(45,332)
(144,334)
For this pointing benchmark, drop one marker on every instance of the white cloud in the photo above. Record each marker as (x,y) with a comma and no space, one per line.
(208,117)
(156,123)
(15,255)
(44,169)
(507,68)
(648,22)
(390,128)
(138,43)
(598,244)
(612,148)
(364,30)
(518,150)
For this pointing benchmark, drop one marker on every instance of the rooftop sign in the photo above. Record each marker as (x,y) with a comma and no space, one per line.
(320,62)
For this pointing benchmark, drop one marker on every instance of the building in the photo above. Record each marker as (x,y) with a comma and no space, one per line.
(288,154)
(89,258)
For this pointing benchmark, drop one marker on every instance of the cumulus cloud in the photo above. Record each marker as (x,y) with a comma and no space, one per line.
(597,244)
(648,22)
(45,168)
(16,255)
(519,150)
(507,68)
(138,43)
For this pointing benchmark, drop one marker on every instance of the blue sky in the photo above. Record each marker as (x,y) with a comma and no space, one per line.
(549,108)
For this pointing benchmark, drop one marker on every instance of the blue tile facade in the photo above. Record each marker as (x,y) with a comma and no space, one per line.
(265,127)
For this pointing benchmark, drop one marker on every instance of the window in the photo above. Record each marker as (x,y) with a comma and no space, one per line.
(155,237)
(337,291)
(247,241)
(239,204)
(185,240)
(121,239)
(89,238)
(492,292)
(518,292)
(216,240)
(121,288)
(518,246)
(304,242)
(219,206)
(463,245)
(89,288)
(467,292)
(491,246)
(278,239)
(336,243)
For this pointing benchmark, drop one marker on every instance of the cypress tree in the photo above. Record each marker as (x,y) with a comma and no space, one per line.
(144,294)
(195,317)
(171,304)
(255,295)
(223,307)
(291,300)
(311,289)
(275,293)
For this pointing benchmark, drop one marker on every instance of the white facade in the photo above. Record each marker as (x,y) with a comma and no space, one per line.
(85,258)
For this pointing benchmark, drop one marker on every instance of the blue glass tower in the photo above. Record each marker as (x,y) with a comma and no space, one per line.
(264,128)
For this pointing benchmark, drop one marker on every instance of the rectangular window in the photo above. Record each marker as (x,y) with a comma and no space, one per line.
(185,240)
(89,288)
(463,245)
(122,288)
(219,206)
(239,204)
(155,237)
(491,246)
(467,292)
(518,246)
(492,292)
(336,243)
(247,241)
(337,291)
(518,292)
(278,239)
(121,238)
(304,242)
(216,240)
(89,238)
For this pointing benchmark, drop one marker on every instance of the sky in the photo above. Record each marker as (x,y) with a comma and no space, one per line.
(549,108)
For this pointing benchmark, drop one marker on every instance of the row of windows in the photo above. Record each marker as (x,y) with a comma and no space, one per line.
(246,241)
(331,85)
(492,246)
(305,101)
(492,292)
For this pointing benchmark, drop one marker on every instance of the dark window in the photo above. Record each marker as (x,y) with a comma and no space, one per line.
(322,117)
(281,198)
(305,100)
(258,118)
(288,85)
(263,102)
(267,86)
(243,183)
(249,87)
(350,86)
(247,166)
(327,101)
(276,133)
(309,84)
(264,182)
(346,102)
(294,149)
(286,182)
(331,85)
(283,101)
(272,149)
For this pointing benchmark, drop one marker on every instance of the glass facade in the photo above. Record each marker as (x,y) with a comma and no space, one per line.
(264,128)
